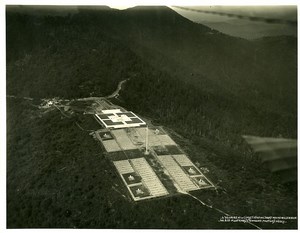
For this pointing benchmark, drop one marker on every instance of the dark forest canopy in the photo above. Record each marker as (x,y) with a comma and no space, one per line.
(90,51)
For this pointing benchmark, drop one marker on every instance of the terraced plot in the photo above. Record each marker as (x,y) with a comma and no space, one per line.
(155,138)
(123,139)
(183,160)
(111,145)
(149,178)
(176,172)
(165,140)
(140,179)
(123,166)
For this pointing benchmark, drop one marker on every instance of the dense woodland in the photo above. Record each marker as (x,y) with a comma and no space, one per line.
(206,86)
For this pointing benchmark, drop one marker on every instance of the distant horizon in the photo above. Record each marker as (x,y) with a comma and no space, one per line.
(232,26)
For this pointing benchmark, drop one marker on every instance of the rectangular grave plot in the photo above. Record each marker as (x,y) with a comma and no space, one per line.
(166,140)
(183,160)
(132,178)
(150,179)
(202,182)
(123,139)
(191,170)
(111,146)
(123,166)
(139,191)
(105,136)
(176,172)
(158,130)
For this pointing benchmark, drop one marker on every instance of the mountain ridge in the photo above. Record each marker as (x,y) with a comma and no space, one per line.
(192,48)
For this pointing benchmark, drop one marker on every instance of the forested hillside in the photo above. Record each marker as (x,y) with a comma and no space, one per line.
(206,86)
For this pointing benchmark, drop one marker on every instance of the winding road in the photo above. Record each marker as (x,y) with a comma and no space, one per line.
(113,95)
(116,92)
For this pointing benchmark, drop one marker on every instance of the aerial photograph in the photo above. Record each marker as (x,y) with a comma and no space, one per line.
(151,117)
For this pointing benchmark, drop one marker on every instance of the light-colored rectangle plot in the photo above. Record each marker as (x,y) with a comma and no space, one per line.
(154,141)
(202,182)
(135,137)
(149,187)
(149,178)
(123,166)
(111,146)
(195,173)
(177,174)
(183,160)
(142,132)
(123,139)
(166,140)
(137,190)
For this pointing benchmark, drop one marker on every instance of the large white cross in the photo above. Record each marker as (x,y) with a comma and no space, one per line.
(121,118)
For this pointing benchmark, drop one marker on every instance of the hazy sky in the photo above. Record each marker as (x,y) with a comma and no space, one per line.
(245,28)
(280,12)
(234,26)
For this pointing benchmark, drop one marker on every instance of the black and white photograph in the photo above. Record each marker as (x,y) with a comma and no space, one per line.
(141,116)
